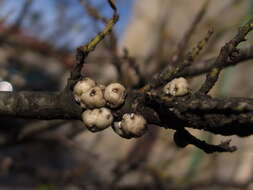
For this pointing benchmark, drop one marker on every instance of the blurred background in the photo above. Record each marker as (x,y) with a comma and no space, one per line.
(38,39)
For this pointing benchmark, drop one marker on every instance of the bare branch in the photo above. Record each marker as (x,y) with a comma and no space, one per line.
(182,138)
(83,51)
(177,63)
(39,105)
(205,66)
(225,53)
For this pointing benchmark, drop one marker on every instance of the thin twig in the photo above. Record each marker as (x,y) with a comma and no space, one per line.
(83,51)
(225,53)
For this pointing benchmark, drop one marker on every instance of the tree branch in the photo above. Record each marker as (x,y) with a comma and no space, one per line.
(205,66)
(39,105)
(83,51)
(225,53)
(182,138)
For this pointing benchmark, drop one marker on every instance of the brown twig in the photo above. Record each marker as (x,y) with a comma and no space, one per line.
(83,51)
(226,52)
(205,66)
(176,62)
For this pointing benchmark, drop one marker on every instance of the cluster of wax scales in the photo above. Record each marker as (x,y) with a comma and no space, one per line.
(99,100)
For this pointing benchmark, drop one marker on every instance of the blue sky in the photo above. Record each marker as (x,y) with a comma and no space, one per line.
(48,9)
